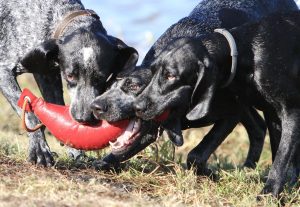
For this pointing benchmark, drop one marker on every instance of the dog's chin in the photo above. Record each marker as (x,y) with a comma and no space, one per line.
(128,137)
(110,118)
(138,135)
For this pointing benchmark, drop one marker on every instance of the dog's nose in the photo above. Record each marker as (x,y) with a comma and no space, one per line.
(86,119)
(98,109)
(139,107)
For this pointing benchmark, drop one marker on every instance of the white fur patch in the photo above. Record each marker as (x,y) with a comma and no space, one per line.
(72,94)
(88,52)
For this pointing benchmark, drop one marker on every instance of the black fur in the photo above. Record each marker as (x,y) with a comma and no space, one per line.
(208,15)
(267,78)
(117,104)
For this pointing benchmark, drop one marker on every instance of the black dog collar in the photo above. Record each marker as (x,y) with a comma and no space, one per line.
(233,53)
(69,18)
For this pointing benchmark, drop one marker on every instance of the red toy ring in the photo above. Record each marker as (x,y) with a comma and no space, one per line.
(60,123)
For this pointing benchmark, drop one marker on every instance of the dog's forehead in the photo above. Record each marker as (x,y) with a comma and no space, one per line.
(166,64)
(181,60)
(124,82)
(87,39)
(139,78)
(88,53)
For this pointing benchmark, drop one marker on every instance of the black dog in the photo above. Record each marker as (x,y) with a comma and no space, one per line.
(117,102)
(267,77)
(52,37)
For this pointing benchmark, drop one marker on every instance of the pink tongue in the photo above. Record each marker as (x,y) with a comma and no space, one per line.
(132,128)
(126,135)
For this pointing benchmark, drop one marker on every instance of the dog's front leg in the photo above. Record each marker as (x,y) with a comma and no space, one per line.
(51,88)
(256,129)
(109,163)
(288,146)
(295,167)
(274,127)
(198,157)
(39,151)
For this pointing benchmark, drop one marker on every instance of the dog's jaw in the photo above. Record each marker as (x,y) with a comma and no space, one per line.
(127,137)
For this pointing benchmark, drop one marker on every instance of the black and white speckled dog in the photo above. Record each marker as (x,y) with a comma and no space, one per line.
(80,49)
(225,113)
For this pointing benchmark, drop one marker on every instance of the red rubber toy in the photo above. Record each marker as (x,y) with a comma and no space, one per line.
(163,117)
(59,122)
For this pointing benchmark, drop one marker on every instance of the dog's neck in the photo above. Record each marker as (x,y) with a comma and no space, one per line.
(219,49)
(83,22)
(80,21)
(54,13)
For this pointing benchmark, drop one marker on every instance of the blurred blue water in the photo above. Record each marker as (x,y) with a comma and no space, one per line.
(140,22)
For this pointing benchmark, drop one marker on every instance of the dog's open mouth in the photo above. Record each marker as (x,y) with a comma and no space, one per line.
(127,137)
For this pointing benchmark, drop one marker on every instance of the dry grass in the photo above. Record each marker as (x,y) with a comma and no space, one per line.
(153,178)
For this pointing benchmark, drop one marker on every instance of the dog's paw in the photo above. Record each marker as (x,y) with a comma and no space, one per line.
(75,154)
(200,169)
(265,194)
(270,190)
(249,164)
(39,152)
(101,165)
(293,175)
(206,172)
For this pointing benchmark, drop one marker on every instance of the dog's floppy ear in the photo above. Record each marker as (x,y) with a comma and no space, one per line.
(43,58)
(204,90)
(127,57)
(173,129)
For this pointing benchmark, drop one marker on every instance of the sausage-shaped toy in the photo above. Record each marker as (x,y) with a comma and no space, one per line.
(59,122)
(163,117)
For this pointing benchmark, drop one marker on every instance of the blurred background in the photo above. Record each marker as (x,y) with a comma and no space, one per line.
(140,23)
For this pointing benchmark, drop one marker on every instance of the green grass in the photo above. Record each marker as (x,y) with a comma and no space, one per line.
(156,177)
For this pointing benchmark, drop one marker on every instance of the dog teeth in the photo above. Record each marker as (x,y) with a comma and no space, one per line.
(126,138)
(137,125)
(128,142)
(117,144)
(112,144)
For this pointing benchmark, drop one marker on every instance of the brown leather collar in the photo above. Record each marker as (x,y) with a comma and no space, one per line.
(69,18)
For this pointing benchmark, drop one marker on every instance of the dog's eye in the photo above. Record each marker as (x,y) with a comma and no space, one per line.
(134,87)
(70,77)
(169,76)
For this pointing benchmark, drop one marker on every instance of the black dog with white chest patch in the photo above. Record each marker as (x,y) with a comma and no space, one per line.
(267,77)
(52,37)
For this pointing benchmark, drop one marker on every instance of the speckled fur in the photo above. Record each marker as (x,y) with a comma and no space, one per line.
(26,28)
